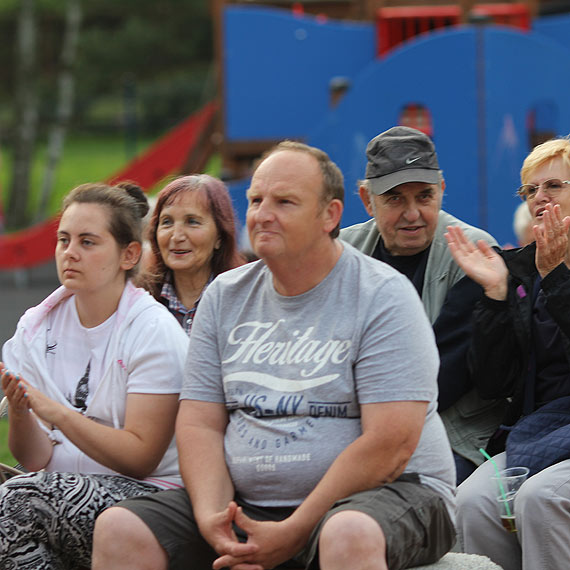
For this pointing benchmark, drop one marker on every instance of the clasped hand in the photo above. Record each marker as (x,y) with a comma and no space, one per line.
(268,543)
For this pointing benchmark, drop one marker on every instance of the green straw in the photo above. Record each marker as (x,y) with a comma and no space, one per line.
(488,457)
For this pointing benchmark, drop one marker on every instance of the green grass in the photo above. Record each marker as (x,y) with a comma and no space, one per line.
(5,455)
(89,159)
(85,159)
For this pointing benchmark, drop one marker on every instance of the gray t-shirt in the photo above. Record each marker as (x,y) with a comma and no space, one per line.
(293,371)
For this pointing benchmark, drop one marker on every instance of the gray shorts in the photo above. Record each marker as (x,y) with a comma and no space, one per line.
(413,518)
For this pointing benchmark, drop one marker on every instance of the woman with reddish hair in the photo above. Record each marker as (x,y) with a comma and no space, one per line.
(192,237)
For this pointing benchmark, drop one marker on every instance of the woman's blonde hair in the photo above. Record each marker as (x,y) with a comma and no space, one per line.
(545,153)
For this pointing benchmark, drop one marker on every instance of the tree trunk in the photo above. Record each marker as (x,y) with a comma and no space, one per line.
(64,105)
(26,117)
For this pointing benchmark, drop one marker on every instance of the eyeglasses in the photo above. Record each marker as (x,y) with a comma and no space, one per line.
(551,188)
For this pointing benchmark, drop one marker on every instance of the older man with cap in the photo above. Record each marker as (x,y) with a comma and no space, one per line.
(403,191)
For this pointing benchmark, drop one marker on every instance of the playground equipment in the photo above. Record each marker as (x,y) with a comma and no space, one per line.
(486,92)
(186,146)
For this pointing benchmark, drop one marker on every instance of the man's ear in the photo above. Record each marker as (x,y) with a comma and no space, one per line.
(130,255)
(442,185)
(366,200)
(333,214)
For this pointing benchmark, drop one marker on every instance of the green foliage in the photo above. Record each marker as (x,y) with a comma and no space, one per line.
(5,455)
(160,53)
(142,66)
(166,103)
(142,45)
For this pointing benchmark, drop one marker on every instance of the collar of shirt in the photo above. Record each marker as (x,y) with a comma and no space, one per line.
(183,314)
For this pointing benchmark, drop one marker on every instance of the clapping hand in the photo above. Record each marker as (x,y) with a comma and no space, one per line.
(22,397)
(551,239)
(480,262)
(15,391)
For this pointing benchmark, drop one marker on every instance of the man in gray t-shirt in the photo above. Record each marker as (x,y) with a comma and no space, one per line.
(307,431)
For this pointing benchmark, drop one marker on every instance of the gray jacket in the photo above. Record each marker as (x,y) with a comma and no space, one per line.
(470,421)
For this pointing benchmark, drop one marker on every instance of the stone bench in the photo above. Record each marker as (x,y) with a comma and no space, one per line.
(461,561)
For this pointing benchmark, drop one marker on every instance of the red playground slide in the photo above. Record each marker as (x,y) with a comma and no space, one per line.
(36,245)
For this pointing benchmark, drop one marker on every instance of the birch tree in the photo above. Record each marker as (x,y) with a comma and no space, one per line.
(25,116)
(65,87)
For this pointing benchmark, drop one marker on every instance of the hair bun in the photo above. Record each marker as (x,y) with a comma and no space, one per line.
(136,192)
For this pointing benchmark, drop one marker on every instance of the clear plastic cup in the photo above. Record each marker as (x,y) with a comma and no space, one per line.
(507,485)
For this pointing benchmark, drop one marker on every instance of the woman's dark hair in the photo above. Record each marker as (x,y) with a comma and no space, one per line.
(219,203)
(127,206)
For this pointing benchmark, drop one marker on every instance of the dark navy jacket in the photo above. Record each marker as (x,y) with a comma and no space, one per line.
(499,356)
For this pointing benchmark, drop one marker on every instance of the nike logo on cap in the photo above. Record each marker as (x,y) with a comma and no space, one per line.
(410,160)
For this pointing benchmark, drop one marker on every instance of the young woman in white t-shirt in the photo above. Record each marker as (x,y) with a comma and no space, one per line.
(92,377)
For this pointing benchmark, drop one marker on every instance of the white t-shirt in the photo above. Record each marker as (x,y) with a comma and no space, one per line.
(293,372)
(74,351)
(144,354)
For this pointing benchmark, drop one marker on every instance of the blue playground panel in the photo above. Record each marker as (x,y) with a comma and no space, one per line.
(523,71)
(431,71)
(480,85)
(277,69)
(556,28)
